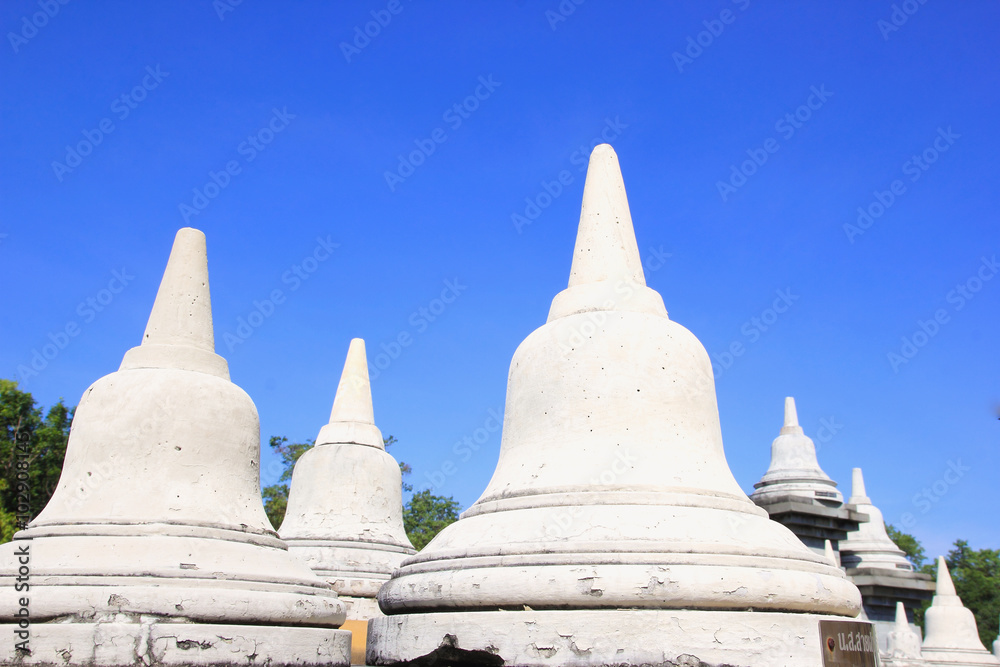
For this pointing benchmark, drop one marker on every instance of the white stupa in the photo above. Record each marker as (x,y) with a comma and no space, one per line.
(951,636)
(345,506)
(155,548)
(996,645)
(903,642)
(870,546)
(794,470)
(613,531)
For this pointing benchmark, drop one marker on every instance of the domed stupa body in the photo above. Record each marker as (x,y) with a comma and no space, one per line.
(345,506)
(612,532)
(794,471)
(155,548)
(951,636)
(870,545)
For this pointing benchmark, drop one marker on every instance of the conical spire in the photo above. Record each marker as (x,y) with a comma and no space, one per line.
(182,312)
(830,554)
(353,402)
(791,418)
(945,586)
(605,242)
(607,270)
(858,493)
(179,331)
(901,622)
(352,419)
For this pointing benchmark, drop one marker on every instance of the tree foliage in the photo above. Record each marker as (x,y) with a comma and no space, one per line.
(36,444)
(426,515)
(276,496)
(909,544)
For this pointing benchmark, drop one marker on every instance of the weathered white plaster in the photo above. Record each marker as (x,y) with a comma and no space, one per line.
(158,510)
(596,637)
(345,506)
(612,490)
(951,636)
(870,545)
(903,642)
(794,470)
(120,641)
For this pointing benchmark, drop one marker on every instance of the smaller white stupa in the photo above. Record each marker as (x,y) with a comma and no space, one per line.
(903,642)
(345,506)
(870,545)
(794,470)
(952,637)
(996,645)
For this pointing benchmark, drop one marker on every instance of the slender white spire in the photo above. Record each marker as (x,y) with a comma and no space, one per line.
(791,419)
(830,553)
(858,493)
(353,402)
(182,312)
(352,419)
(179,331)
(901,622)
(605,241)
(945,586)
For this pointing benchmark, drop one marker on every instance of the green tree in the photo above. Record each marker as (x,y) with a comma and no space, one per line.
(909,544)
(426,515)
(276,496)
(34,443)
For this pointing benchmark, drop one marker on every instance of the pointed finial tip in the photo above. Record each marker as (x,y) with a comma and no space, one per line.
(353,402)
(945,586)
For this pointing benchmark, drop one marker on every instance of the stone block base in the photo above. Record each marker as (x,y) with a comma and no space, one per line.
(158,642)
(598,637)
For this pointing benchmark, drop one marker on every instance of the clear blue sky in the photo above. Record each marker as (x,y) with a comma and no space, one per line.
(329,122)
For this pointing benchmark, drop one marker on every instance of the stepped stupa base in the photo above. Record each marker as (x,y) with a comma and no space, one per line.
(957,658)
(155,641)
(598,637)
